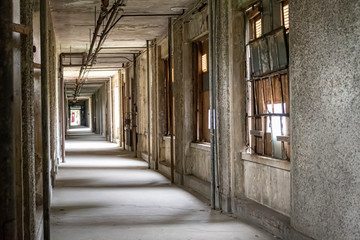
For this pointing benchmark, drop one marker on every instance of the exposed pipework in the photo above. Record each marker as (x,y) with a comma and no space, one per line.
(111,22)
(148,97)
(91,56)
(172,165)
(212,78)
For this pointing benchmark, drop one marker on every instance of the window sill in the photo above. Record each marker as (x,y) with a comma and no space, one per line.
(267,161)
(167,137)
(201,146)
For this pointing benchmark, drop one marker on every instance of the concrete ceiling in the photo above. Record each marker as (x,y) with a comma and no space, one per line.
(74,23)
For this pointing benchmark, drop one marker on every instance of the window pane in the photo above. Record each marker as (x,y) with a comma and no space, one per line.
(258,28)
(286,15)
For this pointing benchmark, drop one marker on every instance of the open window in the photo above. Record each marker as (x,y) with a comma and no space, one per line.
(268,98)
(285,15)
(201,90)
(254,16)
(169,100)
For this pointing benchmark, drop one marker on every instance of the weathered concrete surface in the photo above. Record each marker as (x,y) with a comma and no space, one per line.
(325,118)
(28,137)
(103,193)
(17,121)
(7,167)
(223,110)
(267,185)
(200,162)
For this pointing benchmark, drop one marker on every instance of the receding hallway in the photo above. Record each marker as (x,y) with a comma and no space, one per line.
(101,192)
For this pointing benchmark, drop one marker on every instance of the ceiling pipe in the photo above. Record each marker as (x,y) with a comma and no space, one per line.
(91,57)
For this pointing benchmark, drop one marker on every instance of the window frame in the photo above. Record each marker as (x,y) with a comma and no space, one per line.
(254,13)
(201,130)
(169,104)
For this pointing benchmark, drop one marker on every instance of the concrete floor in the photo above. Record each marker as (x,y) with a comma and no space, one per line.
(101,192)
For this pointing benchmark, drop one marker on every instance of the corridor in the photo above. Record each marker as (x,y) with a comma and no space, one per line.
(101,192)
(179,119)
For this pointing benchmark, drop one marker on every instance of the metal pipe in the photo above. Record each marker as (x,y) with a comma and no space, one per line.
(155,120)
(62,98)
(172,165)
(148,97)
(91,57)
(211,89)
(45,115)
(7,141)
(153,15)
(134,109)
(216,13)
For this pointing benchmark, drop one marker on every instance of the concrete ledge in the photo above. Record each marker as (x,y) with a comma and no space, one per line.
(167,137)
(197,185)
(144,156)
(267,161)
(164,168)
(201,146)
(200,186)
(39,224)
(270,220)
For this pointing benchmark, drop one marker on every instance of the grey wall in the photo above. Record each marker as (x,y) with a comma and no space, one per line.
(325,117)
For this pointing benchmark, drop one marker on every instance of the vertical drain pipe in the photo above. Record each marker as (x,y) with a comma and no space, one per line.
(62,110)
(216,13)
(171,102)
(148,97)
(212,99)
(45,115)
(133,88)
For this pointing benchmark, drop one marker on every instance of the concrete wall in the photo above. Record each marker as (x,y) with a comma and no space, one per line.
(325,103)
(200,164)
(99,111)
(25,119)
(267,181)
(316,194)
(142,113)
(165,151)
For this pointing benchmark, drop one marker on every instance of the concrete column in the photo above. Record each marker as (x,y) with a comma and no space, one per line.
(154,106)
(325,118)
(187,92)
(237,57)
(28,149)
(17,123)
(178,91)
(44,19)
(223,111)
(7,170)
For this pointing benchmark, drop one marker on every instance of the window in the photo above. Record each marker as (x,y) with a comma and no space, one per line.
(201,91)
(257,25)
(268,115)
(204,64)
(285,15)
(253,13)
(268,98)
(170,103)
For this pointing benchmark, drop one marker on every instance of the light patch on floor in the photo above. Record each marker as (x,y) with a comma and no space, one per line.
(101,192)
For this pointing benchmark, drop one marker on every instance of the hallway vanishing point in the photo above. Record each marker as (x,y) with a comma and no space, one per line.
(102,192)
